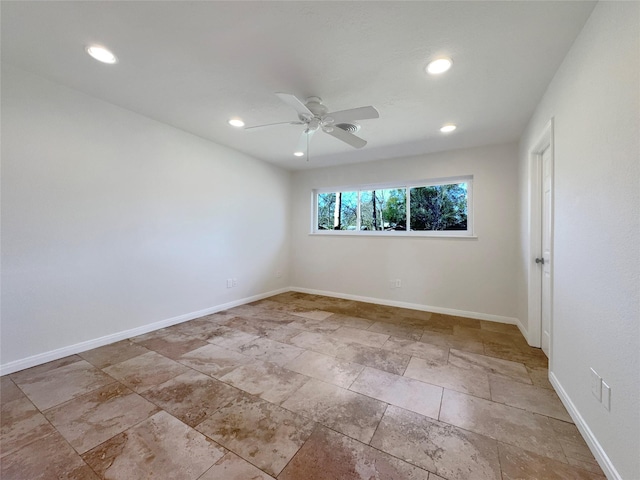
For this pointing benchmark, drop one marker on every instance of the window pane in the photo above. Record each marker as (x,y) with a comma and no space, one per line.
(383,209)
(439,207)
(347,205)
(326,209)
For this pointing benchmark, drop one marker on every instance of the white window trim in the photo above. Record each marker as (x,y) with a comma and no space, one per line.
(468,233)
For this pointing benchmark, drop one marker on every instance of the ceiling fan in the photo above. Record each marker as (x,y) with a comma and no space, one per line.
(314,115)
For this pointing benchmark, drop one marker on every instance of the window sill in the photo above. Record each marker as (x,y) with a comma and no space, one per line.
(344,233)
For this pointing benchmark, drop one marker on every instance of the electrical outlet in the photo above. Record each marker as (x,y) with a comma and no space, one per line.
(229,282)
(596,385)
(235,282)
(398,283)
(606,396)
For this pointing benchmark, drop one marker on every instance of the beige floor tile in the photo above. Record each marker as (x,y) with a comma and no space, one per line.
(283,333)
(330,455)
(9,390)
(270,351)
(201,328)
(365,337)
(353,322)
(531,357)
(22,423)
(144,371)
(168,343)
(47,388)
(264,434)
(519,464)
(504,423)
(232,467)
(91,419)
(528,397)
(540,377)
(148,450)
(433,476)
(214,360)
(49,457)
(319,342)
(114,353)
(191,396)
(230,338)
(427,351)
(489,365)
(29,373)
(314,325)
(500,327)
(450,452)
(449,376)
(323,367)
(451,341)
(347,412)
(267,380)
(314,315)
(401,391)
(387,360)
(403,331)
(252,326)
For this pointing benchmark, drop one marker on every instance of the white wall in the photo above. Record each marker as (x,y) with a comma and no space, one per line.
(594,99)
(468,275)
(112,221)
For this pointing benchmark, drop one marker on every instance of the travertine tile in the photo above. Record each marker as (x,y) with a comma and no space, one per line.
(519,464)
(46,388)
(191,396)
(330,455)
(448,451)
(347,412)
(9,391)
(451,341)
(148,450)
(270,351)
(401,391)
(262,433)
(252,326)
(319,342)
(489,365)
(29,373)
(528,397)
(531,357)
(314,325)
(144,371)
(202,328)
(540,377)
(387,360)
(449,376)
(93,418)
(365,337)
(232,467)
(47,458)
(171,345)
(267,380)
(314,315)
(502,422)
(108,355)
(22,423)
(403,331)
(500,327)
(283,333)
(323,367)
(214,360)
(353,322)
(230,338)
(435,354)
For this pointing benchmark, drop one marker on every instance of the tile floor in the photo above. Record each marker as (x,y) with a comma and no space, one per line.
(296,387)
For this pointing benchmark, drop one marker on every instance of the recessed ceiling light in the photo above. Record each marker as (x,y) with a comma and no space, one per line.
(439,65)
(449,127)
(299,154)
(236,122)
(101,54)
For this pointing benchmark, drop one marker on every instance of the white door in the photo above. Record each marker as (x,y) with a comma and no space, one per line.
(547,225)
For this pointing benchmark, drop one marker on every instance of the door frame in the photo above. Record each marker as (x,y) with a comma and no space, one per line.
(534,272)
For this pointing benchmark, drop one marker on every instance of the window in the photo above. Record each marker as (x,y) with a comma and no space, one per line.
(427,208)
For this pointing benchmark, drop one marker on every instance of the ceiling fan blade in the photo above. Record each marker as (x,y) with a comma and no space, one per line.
(346,137)
(273,124)
(295,103)
(361,113)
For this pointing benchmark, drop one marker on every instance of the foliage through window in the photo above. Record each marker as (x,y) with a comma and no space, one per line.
(437,207)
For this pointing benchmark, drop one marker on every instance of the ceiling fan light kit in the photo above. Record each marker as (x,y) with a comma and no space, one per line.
(315,116)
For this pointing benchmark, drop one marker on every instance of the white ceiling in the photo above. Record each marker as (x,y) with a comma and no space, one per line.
(194,65)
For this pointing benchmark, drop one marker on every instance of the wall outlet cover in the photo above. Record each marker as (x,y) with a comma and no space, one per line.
(596,385)
(606,396)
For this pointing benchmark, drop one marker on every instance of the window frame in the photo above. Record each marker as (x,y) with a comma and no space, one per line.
(468,233)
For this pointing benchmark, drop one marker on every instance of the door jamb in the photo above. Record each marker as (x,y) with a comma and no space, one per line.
(534,273)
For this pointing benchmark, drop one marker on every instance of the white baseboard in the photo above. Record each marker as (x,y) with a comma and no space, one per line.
(51,355)
(523,331)
(413,306)
(598,452)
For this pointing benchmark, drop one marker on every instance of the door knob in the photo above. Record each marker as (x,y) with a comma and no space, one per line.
(540,260)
